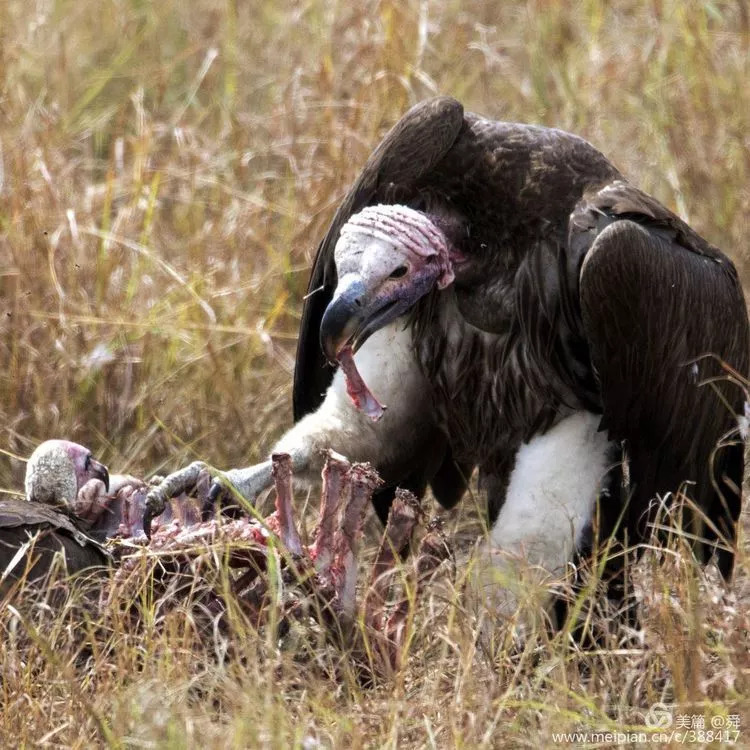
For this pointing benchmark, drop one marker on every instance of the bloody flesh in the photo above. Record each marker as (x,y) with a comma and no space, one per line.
(356,387)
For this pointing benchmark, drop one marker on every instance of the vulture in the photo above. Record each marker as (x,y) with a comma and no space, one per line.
(498,296)
(59,472)
(65,487)
(72,506)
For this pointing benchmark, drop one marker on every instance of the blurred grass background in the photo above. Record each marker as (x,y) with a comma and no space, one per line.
(166,171)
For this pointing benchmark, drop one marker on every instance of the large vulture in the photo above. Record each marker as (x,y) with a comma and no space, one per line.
(520,307)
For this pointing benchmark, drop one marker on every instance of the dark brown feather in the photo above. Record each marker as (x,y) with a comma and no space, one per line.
(50,532)
(662,310)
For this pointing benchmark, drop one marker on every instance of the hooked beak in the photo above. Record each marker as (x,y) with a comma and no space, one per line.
(354,315)
(98,470)
(387,258)
(341,319)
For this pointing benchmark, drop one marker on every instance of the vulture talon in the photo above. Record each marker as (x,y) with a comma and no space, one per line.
(224,495)
(215,492)
(182,480)
(155,505)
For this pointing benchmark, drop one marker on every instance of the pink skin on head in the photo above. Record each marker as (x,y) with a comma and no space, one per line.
(408,230)
(387,258)
(57,471)
(85,465)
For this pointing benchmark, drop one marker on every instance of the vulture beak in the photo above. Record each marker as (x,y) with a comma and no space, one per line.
(98,470)
(342,318)
(357,309)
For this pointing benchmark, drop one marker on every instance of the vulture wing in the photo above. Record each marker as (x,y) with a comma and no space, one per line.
(415,145)
(642,270)
(21,520)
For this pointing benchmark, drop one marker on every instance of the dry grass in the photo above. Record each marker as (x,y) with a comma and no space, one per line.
(166,171)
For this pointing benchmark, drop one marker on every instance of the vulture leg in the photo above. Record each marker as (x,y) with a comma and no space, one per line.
(393,445)
(548,507)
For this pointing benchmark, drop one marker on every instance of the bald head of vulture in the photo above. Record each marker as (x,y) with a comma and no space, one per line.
(58,470)
(549,304)
(387,258)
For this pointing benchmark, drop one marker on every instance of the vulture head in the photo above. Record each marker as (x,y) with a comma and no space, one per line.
(58,469)
(387,257)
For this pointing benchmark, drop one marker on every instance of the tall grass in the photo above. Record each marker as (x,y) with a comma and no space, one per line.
(167,170)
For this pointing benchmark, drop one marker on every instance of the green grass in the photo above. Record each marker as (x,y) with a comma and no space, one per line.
(168,169)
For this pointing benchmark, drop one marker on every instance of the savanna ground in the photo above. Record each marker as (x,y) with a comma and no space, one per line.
(165,172)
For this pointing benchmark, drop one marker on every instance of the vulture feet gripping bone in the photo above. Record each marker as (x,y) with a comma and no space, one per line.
(316,581)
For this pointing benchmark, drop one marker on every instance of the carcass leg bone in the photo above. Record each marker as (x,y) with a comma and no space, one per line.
(336,486)
(282,477)
(364,481)
(402,519)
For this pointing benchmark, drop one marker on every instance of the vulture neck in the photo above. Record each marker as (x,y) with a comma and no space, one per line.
(488,307)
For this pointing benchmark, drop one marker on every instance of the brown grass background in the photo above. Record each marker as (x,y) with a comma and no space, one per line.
(166,172)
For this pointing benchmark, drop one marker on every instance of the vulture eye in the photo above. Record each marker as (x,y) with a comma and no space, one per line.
(87,462)
(399,272)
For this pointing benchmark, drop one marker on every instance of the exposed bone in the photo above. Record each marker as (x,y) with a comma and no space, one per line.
(282,477)
(91,501)
(183,480)
(240,530)
(335,488)
(357,388)
(402,519)
(364,481)
(433,550)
